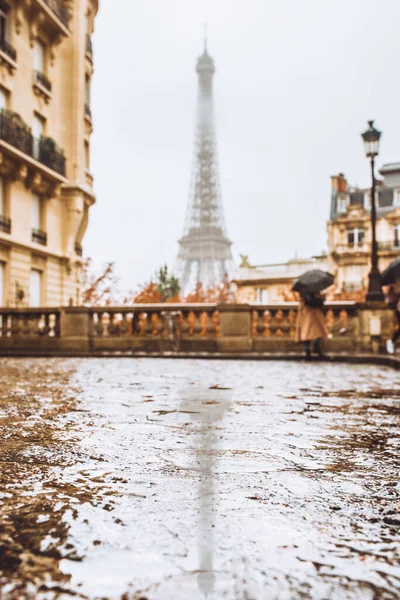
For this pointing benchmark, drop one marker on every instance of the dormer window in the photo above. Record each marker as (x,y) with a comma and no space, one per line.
(343,202)
(385,198)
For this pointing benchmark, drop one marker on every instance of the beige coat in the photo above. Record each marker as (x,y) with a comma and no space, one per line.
(310,324)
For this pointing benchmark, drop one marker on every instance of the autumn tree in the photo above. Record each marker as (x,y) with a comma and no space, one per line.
(164,287)
(168,285)
(148,294)
(98,287)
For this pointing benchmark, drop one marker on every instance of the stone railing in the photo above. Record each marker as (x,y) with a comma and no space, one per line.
(29,327)
(274,325)
(203,329)
(160,327)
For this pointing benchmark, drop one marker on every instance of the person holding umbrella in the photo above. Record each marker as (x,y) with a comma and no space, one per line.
(391,278)
(311,328)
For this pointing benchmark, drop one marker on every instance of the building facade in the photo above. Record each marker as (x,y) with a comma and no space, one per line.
(272,283)
(349,229)
(349,245)
(46,188)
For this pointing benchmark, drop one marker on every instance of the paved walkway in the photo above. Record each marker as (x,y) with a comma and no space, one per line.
(170,480)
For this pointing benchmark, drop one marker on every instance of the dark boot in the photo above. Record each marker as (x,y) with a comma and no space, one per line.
(307,347)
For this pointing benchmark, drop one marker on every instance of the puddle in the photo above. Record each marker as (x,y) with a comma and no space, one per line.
(128,479)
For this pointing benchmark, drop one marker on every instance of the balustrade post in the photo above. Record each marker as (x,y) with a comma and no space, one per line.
(236,328)
(75,329)
(375,326)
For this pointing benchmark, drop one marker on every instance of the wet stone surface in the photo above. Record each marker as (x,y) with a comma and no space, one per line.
(161,480)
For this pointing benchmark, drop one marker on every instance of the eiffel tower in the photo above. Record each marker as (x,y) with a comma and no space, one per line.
(204,250)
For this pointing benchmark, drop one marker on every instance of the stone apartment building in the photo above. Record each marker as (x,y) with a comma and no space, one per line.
(349,229)
(46,188)
(349,244)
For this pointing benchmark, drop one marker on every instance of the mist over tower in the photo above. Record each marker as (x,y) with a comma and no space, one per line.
(204,250)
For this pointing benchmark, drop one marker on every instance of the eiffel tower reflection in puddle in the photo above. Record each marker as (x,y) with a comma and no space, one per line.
(206,407)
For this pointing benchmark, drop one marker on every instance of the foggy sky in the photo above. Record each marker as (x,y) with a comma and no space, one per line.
(296,81)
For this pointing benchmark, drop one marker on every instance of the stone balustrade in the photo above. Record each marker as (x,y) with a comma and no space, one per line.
(30,330)
(187,328)
(160,327)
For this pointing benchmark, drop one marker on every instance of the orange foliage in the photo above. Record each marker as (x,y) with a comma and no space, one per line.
(223,293)
(98,288)
(148,295)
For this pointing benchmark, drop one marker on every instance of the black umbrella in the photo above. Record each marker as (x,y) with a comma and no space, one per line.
(313,282)
(392,273)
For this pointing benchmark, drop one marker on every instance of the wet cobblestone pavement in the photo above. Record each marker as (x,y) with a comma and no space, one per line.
(169,480)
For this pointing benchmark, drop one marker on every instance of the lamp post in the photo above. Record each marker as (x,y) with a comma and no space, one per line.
(371,139)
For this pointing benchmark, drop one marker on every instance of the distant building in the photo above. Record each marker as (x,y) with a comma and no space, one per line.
(349,228)
(46,188)
(273,282)
(349,244)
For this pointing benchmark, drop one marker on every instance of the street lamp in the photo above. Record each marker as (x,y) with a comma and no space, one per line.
(371,142)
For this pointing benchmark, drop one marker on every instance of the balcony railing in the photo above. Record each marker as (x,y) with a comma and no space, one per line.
(9,50)
(5,224)
(388,246)
(59,9)
(51,155)
(346,248)
(78,249)
(41,79)
(89,45)
(39,237)
(16,132)
(88,112)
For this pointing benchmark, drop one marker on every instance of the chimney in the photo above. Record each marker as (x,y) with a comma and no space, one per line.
(339,183)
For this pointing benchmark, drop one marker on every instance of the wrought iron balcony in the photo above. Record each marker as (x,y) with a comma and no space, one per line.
(88,112)
(389,246)
(78,249)
(9,50)
(5,224)
(59,9)
(41,79)
(39,237)
(89,45)
(51,155)
(16,132)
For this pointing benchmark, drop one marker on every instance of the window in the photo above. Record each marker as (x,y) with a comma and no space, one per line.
(39,54)
(36,212)
(396,231)
(87,90)
(3,23)
(262,295)
(2,198)
(343,202)
(37,131)
(3,99)
(355,237)
(35,288)
(2,271)
(385,198)
(396,200)
(87,156)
